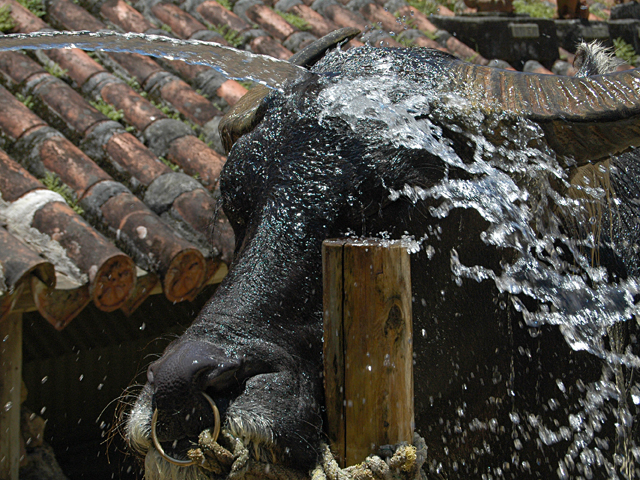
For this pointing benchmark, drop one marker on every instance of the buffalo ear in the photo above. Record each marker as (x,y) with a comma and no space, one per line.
(246,114)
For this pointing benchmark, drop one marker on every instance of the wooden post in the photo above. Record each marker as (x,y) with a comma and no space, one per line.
(10,385)
(368,354)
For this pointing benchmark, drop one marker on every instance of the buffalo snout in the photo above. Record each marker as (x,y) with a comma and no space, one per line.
(191,386)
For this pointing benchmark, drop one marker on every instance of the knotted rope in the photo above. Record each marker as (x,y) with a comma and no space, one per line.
(230,459)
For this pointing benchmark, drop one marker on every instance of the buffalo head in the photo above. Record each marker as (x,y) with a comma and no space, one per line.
(491,176)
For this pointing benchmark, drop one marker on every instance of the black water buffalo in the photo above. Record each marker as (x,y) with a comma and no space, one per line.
(523,235)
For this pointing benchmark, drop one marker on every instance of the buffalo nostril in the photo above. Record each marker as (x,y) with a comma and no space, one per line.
(178,371)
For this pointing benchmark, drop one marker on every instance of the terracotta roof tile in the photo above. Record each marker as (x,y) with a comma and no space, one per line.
(24,19)
(16,119)
(417,19)
(319,26)
(160,218)
(192,105)
(270,22)
(64,14)
(125,16)
(217,15)
(377,14)
(342,17)
(182,24)
(43,220)
(139,164)
(19,262)
(268,46)
(65,108)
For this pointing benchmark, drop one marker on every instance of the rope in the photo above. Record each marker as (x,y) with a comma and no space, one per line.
(234,462)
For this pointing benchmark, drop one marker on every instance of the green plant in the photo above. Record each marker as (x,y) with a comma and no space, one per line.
(7,23)
(232,37)
(26,101)
(169,164)
(34,6)
(294,20)
(165,27)
(405,42)
(53,183)
(246,84)
(599,13)
(534,8)
(166,109)
(428,7)
(624,51)
(108,110)
(54,69)
(226,4)
(203,138)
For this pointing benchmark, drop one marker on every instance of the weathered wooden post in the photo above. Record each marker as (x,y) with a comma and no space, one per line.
(368,354)
(10,386)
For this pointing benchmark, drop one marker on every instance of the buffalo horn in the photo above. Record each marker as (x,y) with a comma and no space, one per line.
(245,114)
(583,118)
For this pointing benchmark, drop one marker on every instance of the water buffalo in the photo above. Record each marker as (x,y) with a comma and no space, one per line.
(524,256)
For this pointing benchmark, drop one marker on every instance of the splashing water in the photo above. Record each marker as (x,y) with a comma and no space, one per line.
(520,188)
(234,64)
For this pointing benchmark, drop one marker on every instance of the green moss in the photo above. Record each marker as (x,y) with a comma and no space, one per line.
(246,84)
(405,42)
(232,37)
(7,23)
(53,183)
(26,101)
(202,137)
(169,164)
(34,6)
(294,20)
(624,51)
(107,110)
(534,8)
(226,4)
(169,111)
(430,7)
(166,28)
(54,69)
(599,13)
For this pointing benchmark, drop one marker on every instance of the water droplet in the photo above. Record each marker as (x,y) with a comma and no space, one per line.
(7,406)
(44,379)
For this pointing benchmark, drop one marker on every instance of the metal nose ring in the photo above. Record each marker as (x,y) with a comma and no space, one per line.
(215,431)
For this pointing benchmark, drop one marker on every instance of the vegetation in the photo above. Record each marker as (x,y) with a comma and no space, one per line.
(226,4)
(108,110)
(166,28)
(232,37)
(169,164)
(598,13)
(54,69)
(134,84)
(405,42)
(296,21)
(624,51)
(34,6)
(534,8)
(26,101)
(53,183)
(7,23)
(428,7)
(248,84)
